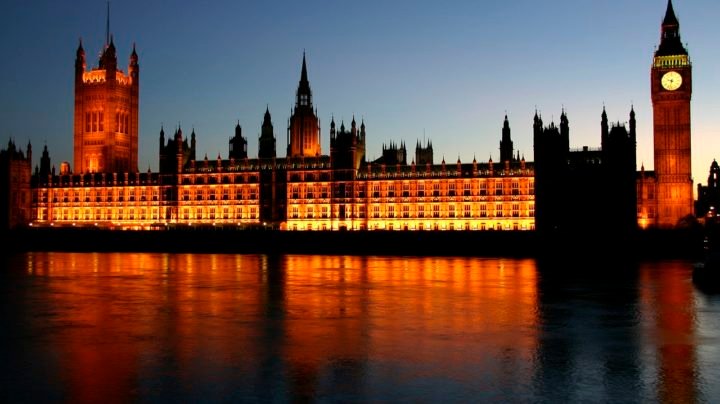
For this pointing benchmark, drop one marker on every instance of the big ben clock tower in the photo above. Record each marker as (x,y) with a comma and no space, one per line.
(671,87)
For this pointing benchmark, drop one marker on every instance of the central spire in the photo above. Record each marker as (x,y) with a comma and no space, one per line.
(107,26)
(304,94)
(303,75)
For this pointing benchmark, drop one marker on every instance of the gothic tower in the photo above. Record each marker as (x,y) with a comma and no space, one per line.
(266,148)
(106,112)
(304,127)
(506,144)
(671,88)
(238,144)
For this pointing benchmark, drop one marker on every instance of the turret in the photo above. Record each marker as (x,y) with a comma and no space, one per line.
(604,129)
(133,66)
(633,124)
(192,145)
(29,153)
(45,163)
(714,177)
(179,151)
(80,63)
(108,61)
(238,144)
(565,130)
(266,147)
(537,125)
(506,144)
(424,154)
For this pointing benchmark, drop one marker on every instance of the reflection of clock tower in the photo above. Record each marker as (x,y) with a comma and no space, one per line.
(671,86)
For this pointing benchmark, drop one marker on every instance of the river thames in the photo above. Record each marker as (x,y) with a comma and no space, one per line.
(119,327)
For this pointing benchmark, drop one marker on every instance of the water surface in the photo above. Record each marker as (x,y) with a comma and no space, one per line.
(104,327)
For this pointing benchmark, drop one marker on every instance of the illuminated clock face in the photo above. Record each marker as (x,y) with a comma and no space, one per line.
(671,81)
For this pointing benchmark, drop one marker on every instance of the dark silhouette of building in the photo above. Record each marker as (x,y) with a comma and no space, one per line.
(585,190)
(267,142)
(393,154)
(708,201)
(176,154)
(424,154)
(238,144)
(15,199)
(506,144)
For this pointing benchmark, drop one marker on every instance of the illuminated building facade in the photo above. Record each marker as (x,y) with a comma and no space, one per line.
(304,191)
(309,190)
(106,113)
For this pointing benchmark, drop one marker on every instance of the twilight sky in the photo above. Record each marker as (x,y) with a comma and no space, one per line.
(445,71)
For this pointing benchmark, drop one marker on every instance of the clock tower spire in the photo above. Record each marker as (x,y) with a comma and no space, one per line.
(671,88)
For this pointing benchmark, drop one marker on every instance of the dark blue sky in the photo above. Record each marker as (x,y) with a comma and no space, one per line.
(446,71)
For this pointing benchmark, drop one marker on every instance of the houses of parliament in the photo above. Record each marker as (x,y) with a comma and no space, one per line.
(340,189)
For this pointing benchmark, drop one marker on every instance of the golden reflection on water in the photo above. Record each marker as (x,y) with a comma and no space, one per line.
(318,312)
(669,309)
(220,327)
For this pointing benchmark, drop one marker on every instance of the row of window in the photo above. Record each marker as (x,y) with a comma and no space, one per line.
(225,213)
(219,194)
(405,190)
(213,179)
(423,226)
(95,122)
(102,214)
(99,194)
(323,194)
(99,214)
(405,211)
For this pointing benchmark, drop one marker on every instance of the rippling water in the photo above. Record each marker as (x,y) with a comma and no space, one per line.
(103,327)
